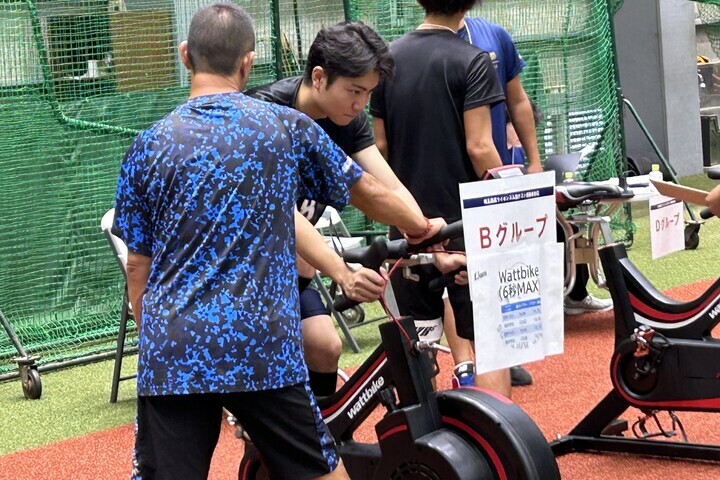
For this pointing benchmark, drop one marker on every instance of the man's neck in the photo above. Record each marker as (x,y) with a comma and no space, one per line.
(306,103)
(449,21)
(203,84)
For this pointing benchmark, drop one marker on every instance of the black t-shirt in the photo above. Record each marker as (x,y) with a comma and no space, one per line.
(352,138)
(438,76)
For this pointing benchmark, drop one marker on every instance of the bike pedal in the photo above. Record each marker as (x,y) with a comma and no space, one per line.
(616,428)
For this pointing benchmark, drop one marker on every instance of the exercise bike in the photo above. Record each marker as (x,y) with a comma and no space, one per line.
(461,434)
(665,360)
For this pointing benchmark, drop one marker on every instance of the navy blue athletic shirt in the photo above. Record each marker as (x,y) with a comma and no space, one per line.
(508,64)
(209,193)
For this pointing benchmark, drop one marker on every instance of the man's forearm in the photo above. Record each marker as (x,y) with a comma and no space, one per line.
(138,272)
(404,195)
(384,206)
(713,200)
(372,162)
(311,246)
(524,123)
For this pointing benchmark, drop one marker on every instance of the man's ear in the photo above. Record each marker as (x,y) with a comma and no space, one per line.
(182,50)
(246,64)
(318,77)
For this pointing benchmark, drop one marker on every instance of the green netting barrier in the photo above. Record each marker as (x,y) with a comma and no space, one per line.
(78,79)
(710,17)
(570,73)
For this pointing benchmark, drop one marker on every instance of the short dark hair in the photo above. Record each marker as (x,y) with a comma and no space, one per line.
(446,7)
(220,35)
(349,49)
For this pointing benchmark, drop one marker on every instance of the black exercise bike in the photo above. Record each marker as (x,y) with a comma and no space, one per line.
(665,360)
(461,434)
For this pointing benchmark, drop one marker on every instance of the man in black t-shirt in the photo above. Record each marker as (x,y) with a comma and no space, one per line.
(345,63)
(432,123)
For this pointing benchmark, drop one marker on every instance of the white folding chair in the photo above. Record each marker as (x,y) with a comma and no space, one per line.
(120,252)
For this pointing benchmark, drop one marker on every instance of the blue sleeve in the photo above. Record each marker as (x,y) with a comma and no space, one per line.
(514,63)
(132,216)
(326,173)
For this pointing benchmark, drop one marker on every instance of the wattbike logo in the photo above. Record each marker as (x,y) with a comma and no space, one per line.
(518,282)
(715,311)
(366,395)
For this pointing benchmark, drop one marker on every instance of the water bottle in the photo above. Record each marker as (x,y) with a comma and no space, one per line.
(655,173)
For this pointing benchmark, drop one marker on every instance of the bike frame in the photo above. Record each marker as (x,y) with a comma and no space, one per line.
(392,364)
(684,376)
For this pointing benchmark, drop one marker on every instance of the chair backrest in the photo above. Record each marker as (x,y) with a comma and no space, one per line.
(116,244)
(338,237)
(331,220)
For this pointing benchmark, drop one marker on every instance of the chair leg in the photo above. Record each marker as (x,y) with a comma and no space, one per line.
(119,350)
(337,315)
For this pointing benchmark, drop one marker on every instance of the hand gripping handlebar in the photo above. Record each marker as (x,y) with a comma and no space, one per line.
(381,249)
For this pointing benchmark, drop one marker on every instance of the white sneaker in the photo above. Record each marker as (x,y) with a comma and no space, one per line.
(587,305)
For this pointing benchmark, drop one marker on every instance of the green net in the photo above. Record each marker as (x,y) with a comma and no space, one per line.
(710,17)
(570,73)
(78,79)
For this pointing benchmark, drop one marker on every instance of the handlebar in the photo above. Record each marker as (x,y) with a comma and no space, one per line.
(714,173)
(371,257)
(381,249)
(440,283)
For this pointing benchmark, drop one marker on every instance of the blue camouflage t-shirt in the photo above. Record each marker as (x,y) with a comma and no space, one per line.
(209,194)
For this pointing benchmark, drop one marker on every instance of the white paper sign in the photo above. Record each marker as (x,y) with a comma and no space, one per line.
(517,306)
(515,266)
(667,226)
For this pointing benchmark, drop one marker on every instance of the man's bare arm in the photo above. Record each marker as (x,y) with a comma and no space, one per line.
(522,119)
(379,203)
(138,272)
(372,161)
(380,136)
(479,141)
(362,285)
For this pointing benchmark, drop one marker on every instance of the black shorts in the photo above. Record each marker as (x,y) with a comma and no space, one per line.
(311,305)
(416,299)
(177,434)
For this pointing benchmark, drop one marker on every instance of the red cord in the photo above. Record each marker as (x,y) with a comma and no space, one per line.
(383,301)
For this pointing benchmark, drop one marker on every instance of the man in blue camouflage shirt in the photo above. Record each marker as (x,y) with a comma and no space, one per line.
(205,203)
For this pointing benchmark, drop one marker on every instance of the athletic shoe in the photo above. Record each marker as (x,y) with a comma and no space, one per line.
(519,377)
(587,305)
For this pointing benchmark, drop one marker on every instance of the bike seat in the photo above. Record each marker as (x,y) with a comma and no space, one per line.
(571,195)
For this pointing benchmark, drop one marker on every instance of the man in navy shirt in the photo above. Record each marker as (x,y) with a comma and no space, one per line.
(508,65)
(205,203)
(495,40)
